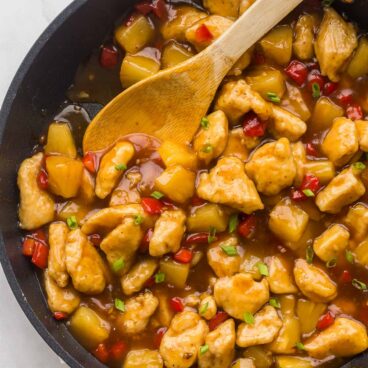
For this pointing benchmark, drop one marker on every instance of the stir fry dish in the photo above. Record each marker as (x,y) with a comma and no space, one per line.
(248,247)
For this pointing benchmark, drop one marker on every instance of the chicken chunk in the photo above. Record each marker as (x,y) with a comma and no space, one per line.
(58,233)
(265,328)
(167,234)
(180,345)
(112,167)
(221,347)
(221,263)
(225,8)
(346,337)
(207,307)
(135,280)
(272,167)
(300,159)
(37,207)
(65,300)
(362,129)
(303,45)
(87,187)
(84,265)
(228,184)
(239,145)
(122,244)
(357,222)
(215,24)
(280,279)
(240,293)
(236,98)
(341,142)
(335,43)
(343,189)
(332,242)
(143,359)
(313,282)
(211,140)
(138,311)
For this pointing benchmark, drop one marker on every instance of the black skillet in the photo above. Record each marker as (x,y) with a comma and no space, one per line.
(35,94)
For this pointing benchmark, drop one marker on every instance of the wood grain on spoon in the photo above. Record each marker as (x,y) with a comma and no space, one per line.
(170,104)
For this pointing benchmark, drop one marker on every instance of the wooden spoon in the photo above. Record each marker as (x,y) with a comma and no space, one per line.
(170,104)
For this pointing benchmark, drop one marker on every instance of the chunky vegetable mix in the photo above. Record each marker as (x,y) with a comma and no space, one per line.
(246,248)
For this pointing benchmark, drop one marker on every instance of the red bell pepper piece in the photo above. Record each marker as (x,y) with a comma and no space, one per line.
(297,71)
(217,320)
(159,9)
(152,205)
(253,126)
(28,246)
(311,149)
(310,182)
(101,353)
(60,316)
(197,238)
(329,88)
(203,34)
(118,350)
(297,195)
(247,226)
(325,321)
(144,7)
(89,162)
(40,255)
(95,239)
(184,255)
(144,246)
(176,304)
(345,97)
(354,112)
(109,56)
(346,277)
(196,201)
(158,336)
(315,77)
(43,180)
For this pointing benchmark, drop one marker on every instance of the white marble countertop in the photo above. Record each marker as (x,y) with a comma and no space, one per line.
(21,22)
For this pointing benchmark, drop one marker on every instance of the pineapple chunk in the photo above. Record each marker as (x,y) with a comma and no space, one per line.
(135,68)
(207,216)
(60,140)
(173,153)
(65,175)
(295,102)
(177,183)
(175,273)
(243,363)
(236,144)
(135,36)
(89,328)
(293,362)
(309,313)
(358,65)
(361,253)
(174,53)
(261,357)
(278,44)
(75,208)
(323,170)
(324,113)
(143,359)
(362,128)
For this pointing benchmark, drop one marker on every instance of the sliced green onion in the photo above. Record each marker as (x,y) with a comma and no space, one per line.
(118,265)
(316,90)
(248,318)
(230,250)
(203,308)
(308,193)
(233,222)
(349,256)
(359,165)
(203,349)
(157,195)
(119,305)
(138,219)
(159,277)
(274,302)
(205,123)
(359,284)
(271,96)
(72,222)
(327,2)
(331,263)
(263,269)
(121,167)
(207,148)
(212,235)
(300,346)
(309,254)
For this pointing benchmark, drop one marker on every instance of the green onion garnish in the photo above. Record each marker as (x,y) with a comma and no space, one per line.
(349,256)
(331,263)
(309,254)
(138,219)
(121,167)
(271,96)
(233,222)
(157,195)
(230,250)
(203,349)
(274,302)
(308,193)
(203,308)
(248,318)
(212,235)
(119,305)
(300,346)
(205,123)
(327,2)
(207,148)
(159,277)
(359,166)
(118,265)
(263,269)
(316,90)
(72,222)
(359,284)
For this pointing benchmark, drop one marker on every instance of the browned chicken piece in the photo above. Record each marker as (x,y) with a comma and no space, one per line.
(280,279)
(84,264)
(303,45)
(335,43)
(357,222)
(122,244)
(265,328)
(313,282)
(240,293)
(58,233)
(65,300)
(180,345)
(138,311)
(211,140)
(207,307)
(343,189)
(341,142)
(300,159)
(221,347)
(346,337)
(227,183)
(112,167)
(239,145)
(272,167)
(143,359)
(37,207)
(362,128)
(168,233)
(243,63)
(225,8)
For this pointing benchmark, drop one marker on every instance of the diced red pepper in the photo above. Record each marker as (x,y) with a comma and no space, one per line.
(158,336)
(60,316)
(184,255)
(28,246)
(95,239)
(329,88)
(216,321)
(40,255)
(297,71)
(203,34)
(144,246)
(101,353)
(345,97)
(159,9)
(363,314)
(197,238)
(109,56)
(354,112)
(311,149)
(176,304)
(310,182)
(311,65)
(346,277)
(118,350)
(89,162)
(298,195)
(152,205)
(247,226)
(144,7)
(315,77)
(43,180)
(253,126)
(325,321)
(196,201)
(40,235)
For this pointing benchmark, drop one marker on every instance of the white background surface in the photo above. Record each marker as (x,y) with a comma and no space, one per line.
(21,22)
